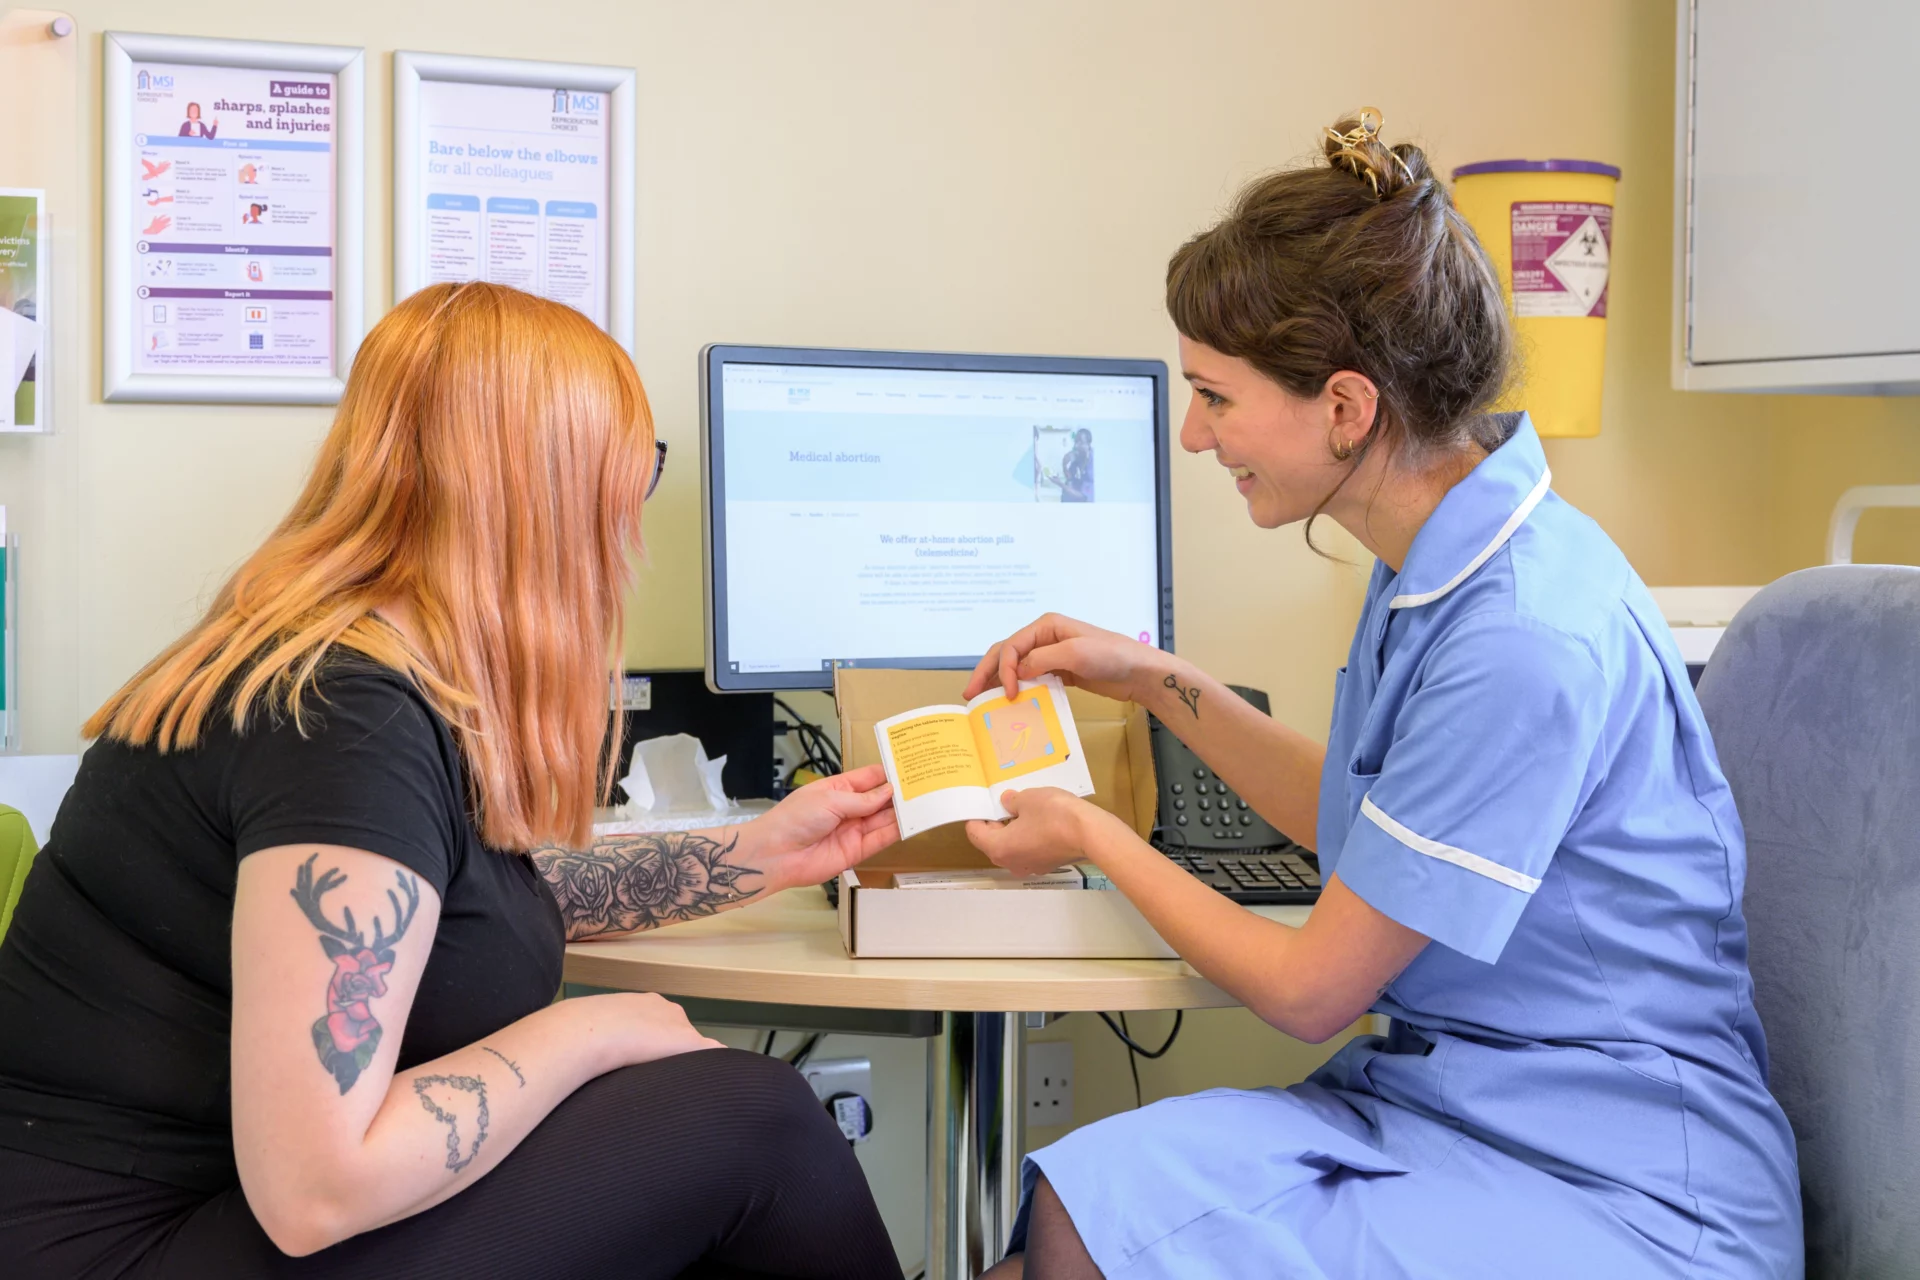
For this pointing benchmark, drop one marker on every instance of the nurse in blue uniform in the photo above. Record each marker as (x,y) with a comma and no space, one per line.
(1532,861)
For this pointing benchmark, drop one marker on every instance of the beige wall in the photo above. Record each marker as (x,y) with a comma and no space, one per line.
(1820,447)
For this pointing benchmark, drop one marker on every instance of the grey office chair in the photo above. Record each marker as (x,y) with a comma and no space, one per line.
(1813,697)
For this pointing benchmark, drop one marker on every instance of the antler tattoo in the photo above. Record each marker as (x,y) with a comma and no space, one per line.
(348,1035)
(338,938)
(402,917)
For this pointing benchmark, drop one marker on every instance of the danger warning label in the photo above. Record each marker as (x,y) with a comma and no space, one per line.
(1561,252)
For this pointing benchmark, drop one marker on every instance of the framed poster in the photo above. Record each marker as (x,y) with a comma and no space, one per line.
(234,218)
(521,173)
(23,310)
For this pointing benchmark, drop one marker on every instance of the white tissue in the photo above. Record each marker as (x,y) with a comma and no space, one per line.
(673,775)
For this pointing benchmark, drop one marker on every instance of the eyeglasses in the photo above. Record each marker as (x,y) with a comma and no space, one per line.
(659,468)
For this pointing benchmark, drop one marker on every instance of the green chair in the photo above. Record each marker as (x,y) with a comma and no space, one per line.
(17,847)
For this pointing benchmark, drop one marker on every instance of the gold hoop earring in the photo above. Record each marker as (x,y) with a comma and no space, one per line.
(1344,450)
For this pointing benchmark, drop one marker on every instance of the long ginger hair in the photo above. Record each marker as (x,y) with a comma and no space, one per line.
(485,468)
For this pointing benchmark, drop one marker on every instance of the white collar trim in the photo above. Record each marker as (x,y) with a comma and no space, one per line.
(1514,521)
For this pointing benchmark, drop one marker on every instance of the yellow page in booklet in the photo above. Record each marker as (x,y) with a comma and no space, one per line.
(932,752)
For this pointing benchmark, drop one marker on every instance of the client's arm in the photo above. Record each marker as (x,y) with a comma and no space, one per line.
(328,947)
(626,883)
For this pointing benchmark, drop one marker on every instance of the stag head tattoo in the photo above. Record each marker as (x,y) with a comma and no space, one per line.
(348,1035)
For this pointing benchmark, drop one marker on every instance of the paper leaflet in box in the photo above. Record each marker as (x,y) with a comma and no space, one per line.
(879,920)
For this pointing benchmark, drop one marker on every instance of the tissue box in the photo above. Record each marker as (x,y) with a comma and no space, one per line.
(877,919)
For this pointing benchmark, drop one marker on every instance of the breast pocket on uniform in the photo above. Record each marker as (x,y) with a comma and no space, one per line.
(1360,779)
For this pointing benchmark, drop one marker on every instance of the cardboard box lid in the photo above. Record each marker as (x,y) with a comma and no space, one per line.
(1112,734)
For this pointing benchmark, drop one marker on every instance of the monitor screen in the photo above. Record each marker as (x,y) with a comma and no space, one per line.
(896,509)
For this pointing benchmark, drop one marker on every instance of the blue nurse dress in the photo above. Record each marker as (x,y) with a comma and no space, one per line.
(1574,1083)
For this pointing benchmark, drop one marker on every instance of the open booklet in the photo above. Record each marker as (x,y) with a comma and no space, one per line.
(950,763)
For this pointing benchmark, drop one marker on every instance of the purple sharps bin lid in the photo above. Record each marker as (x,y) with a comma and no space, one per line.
(1537,166)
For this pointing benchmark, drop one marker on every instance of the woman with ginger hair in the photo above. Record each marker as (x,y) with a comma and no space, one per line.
(279,990)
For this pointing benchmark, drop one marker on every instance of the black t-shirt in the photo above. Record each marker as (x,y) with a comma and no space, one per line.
(116,983)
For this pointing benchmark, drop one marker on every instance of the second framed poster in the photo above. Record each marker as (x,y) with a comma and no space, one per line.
(520,173)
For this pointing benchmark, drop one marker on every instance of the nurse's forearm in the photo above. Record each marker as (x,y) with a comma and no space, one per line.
(1310,983)
(1274,768)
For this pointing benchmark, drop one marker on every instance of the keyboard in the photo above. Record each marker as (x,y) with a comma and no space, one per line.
(1284,876)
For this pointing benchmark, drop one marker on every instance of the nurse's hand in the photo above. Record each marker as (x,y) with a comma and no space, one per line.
(1049,829)
(822,829)
(1103,662)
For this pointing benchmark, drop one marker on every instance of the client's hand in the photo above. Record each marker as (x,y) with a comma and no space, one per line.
(823,828)
(636,1027)
(1103,662)
(1049,829)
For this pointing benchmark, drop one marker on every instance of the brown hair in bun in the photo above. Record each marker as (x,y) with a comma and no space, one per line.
(1360,262)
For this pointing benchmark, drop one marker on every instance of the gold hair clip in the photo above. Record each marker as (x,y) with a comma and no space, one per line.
(1366,129)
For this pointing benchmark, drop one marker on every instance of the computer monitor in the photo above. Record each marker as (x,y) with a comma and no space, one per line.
(908,509)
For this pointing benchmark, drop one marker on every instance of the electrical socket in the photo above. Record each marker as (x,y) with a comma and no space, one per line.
(831,1077)
(633,693)
(1050,1082)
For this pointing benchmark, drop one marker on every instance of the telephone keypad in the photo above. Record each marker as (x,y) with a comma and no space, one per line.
(1241,855)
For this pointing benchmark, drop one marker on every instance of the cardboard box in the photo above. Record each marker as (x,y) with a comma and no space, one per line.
(877,919)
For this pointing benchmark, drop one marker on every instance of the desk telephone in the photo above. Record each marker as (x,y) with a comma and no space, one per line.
(1207,829)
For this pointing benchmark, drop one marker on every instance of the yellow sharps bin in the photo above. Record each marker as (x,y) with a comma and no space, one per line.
(1548,226)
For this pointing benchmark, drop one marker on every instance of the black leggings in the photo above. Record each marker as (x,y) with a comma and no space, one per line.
(712,1164)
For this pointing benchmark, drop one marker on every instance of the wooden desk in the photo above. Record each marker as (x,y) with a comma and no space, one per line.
(786,951)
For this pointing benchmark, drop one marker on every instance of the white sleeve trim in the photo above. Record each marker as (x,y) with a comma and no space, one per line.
(1514,521)
(1447,853)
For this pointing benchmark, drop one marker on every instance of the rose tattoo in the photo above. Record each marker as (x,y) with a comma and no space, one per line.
(642,881)
(357,978)
(348,1035)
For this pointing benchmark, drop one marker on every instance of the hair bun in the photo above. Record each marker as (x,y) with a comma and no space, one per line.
(1354,145)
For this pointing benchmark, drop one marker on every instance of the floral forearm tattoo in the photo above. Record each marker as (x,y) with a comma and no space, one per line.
(642,881)
(348,1035)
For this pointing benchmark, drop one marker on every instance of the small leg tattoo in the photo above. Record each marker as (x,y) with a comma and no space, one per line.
(347,1037)
(431,1095)
(511,1064)
(1191,697)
